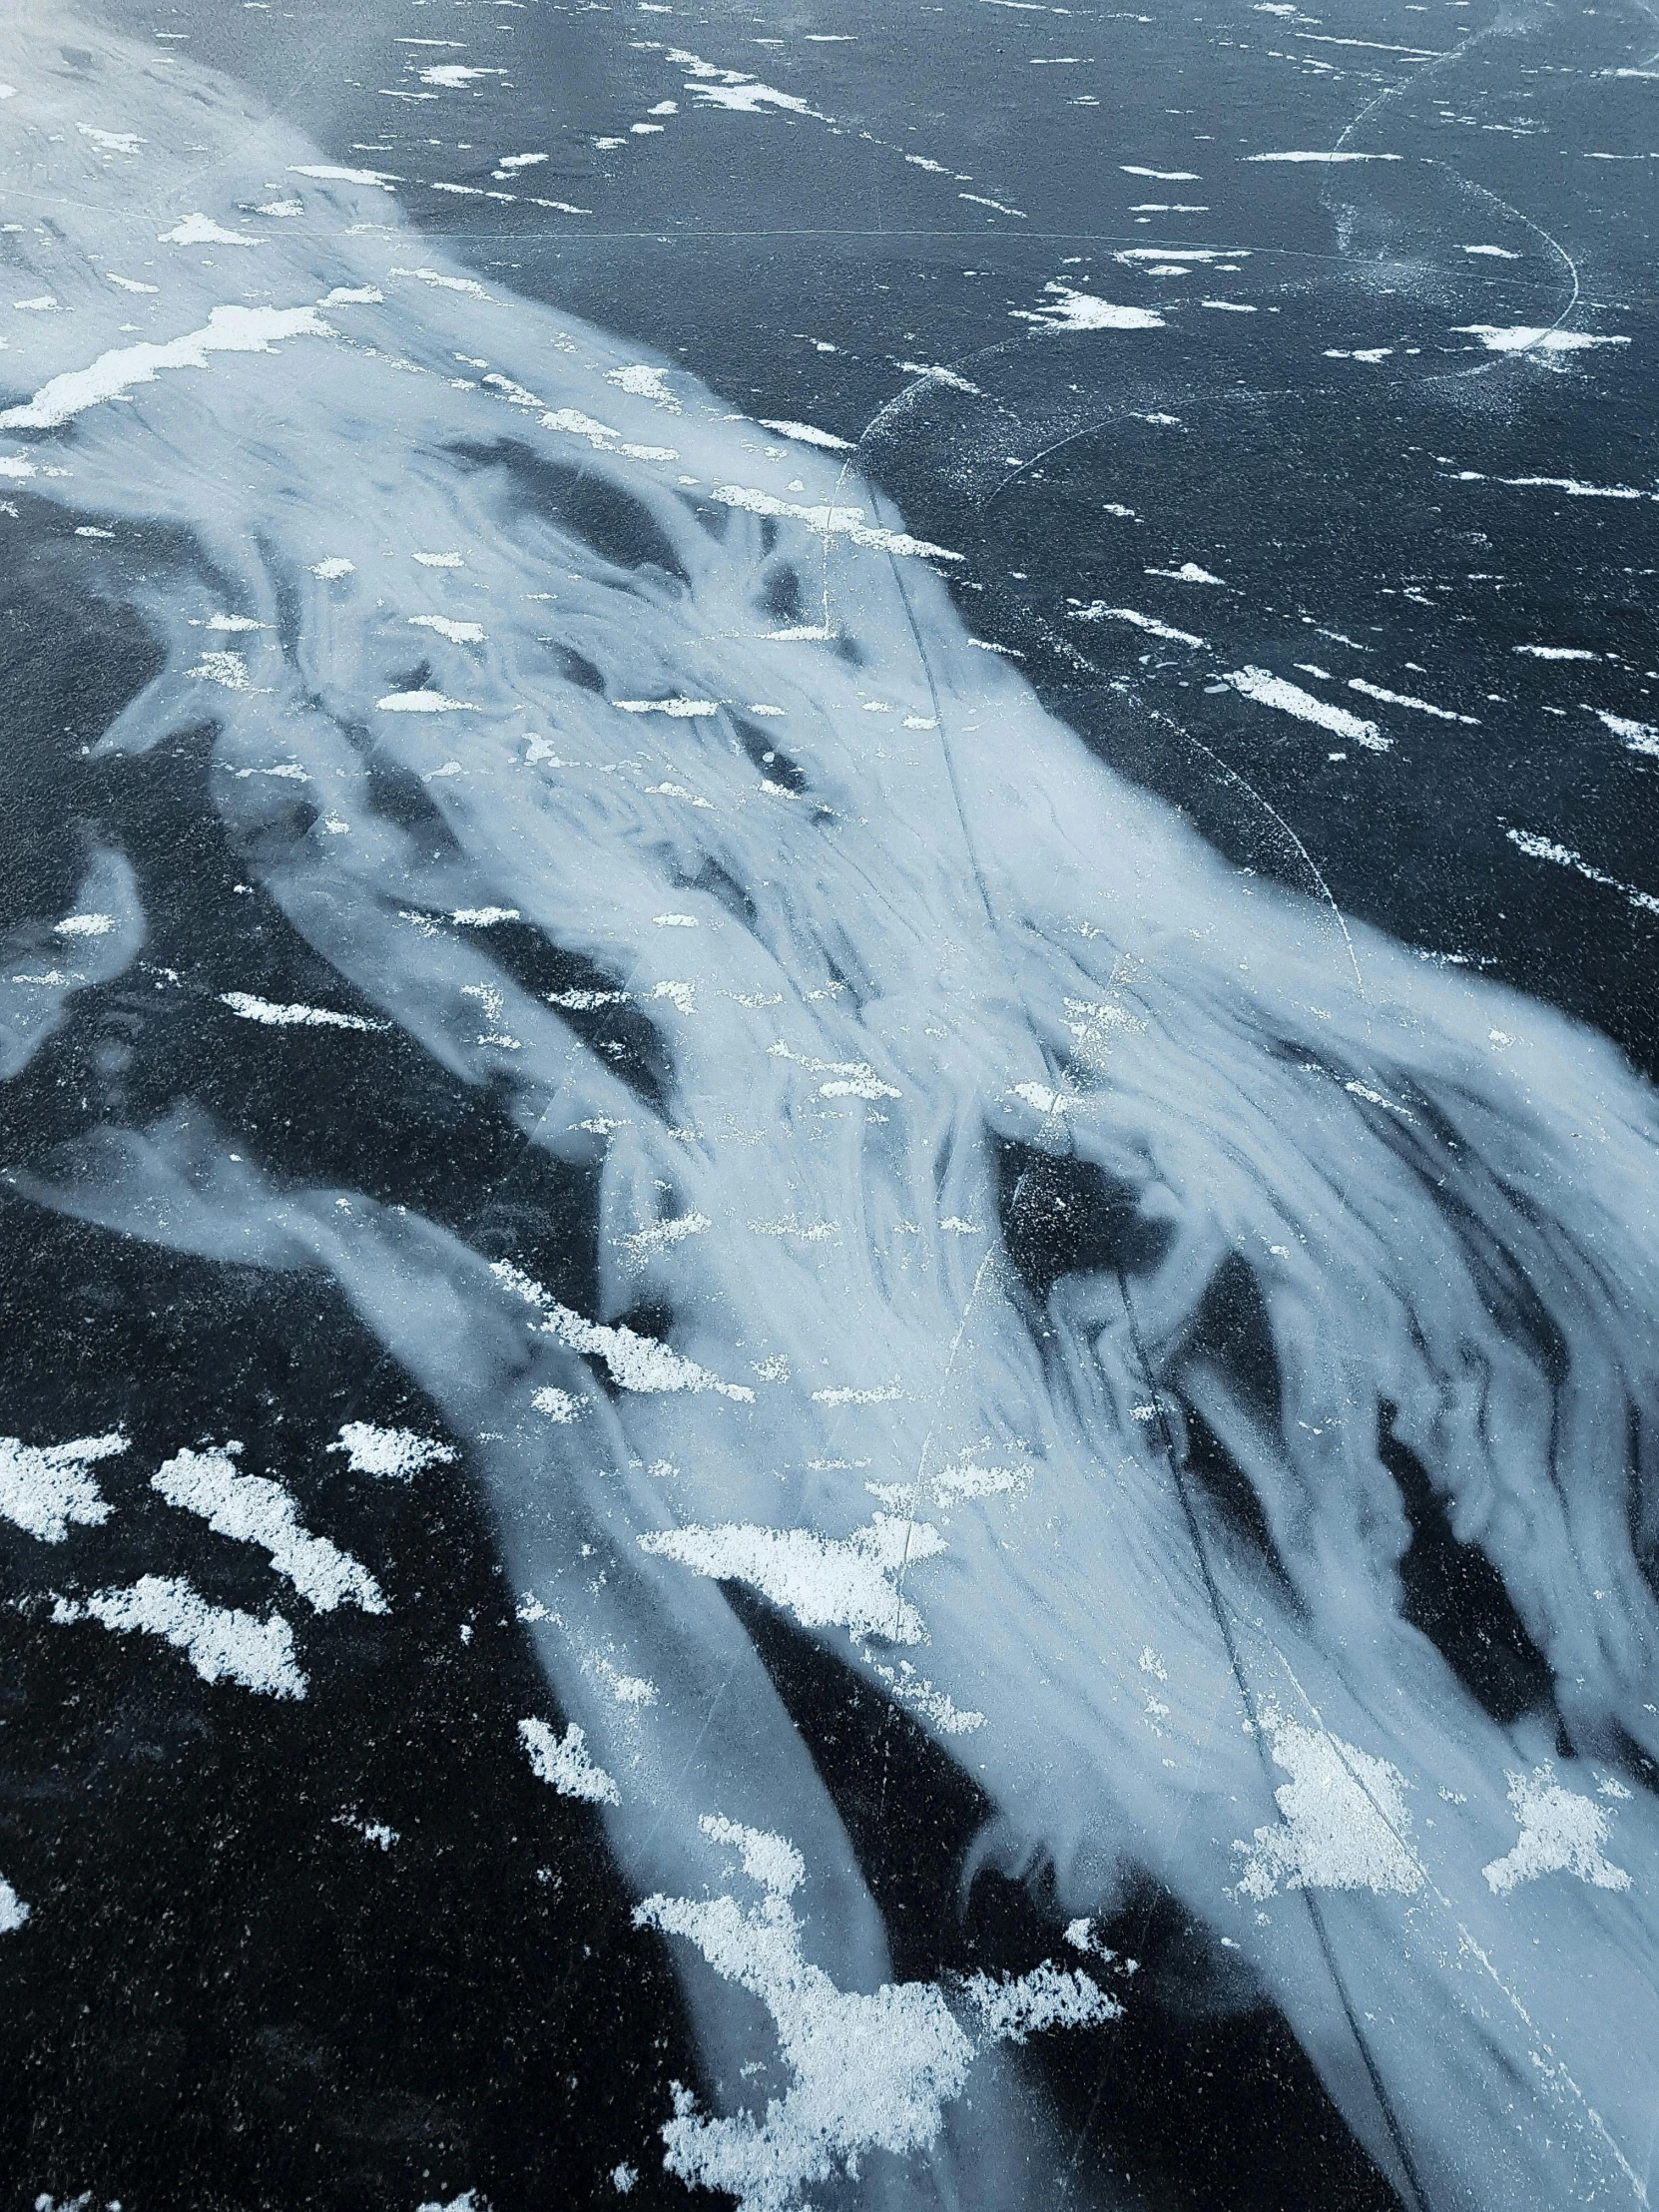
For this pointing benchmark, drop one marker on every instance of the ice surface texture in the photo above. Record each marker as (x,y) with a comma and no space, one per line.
(911,961)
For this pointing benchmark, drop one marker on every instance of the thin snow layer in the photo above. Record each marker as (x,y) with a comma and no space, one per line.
(565,1763)
(43,1488)
(1561,1831)
(219,1642)
(864,2072)
(395,1455)
(1344,1821)
(1277,692)
(251,1509)
(944,894)
(848,1582)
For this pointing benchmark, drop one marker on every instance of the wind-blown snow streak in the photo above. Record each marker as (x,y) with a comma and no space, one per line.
(979,950)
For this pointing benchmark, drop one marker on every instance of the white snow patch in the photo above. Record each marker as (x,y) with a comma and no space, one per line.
(393,1455)
(293,1017)
(83,926)
(1497,253)
(1521,338)
(863,1082)
(559,1406)
(660,1235)
(935,372)
(1640,736)
(824,1582)
(1269,689)
(645,382)
(682,710)
(635,1363)
(963,1481)
(251,1509)
(1569,484)
(916,1691)
(423,703)
(1188,573)
(565,1762)
(864,2072)
(227,330)
(1405,699)
(1074,310)
(1100,611)
(1344,1819)
(436,277)
(1557,652)
(43,1488)
(804,434)
(573,424)
(1560,1833)
(372,1832)
(201,229)
(1163,176)
(326,172)
(335,566)
(1330,157)
(1015,2009)
(224,668)
(13,1910)
(217,1640)
(456,76)
(1547,849)
(827,521)
(458,633)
